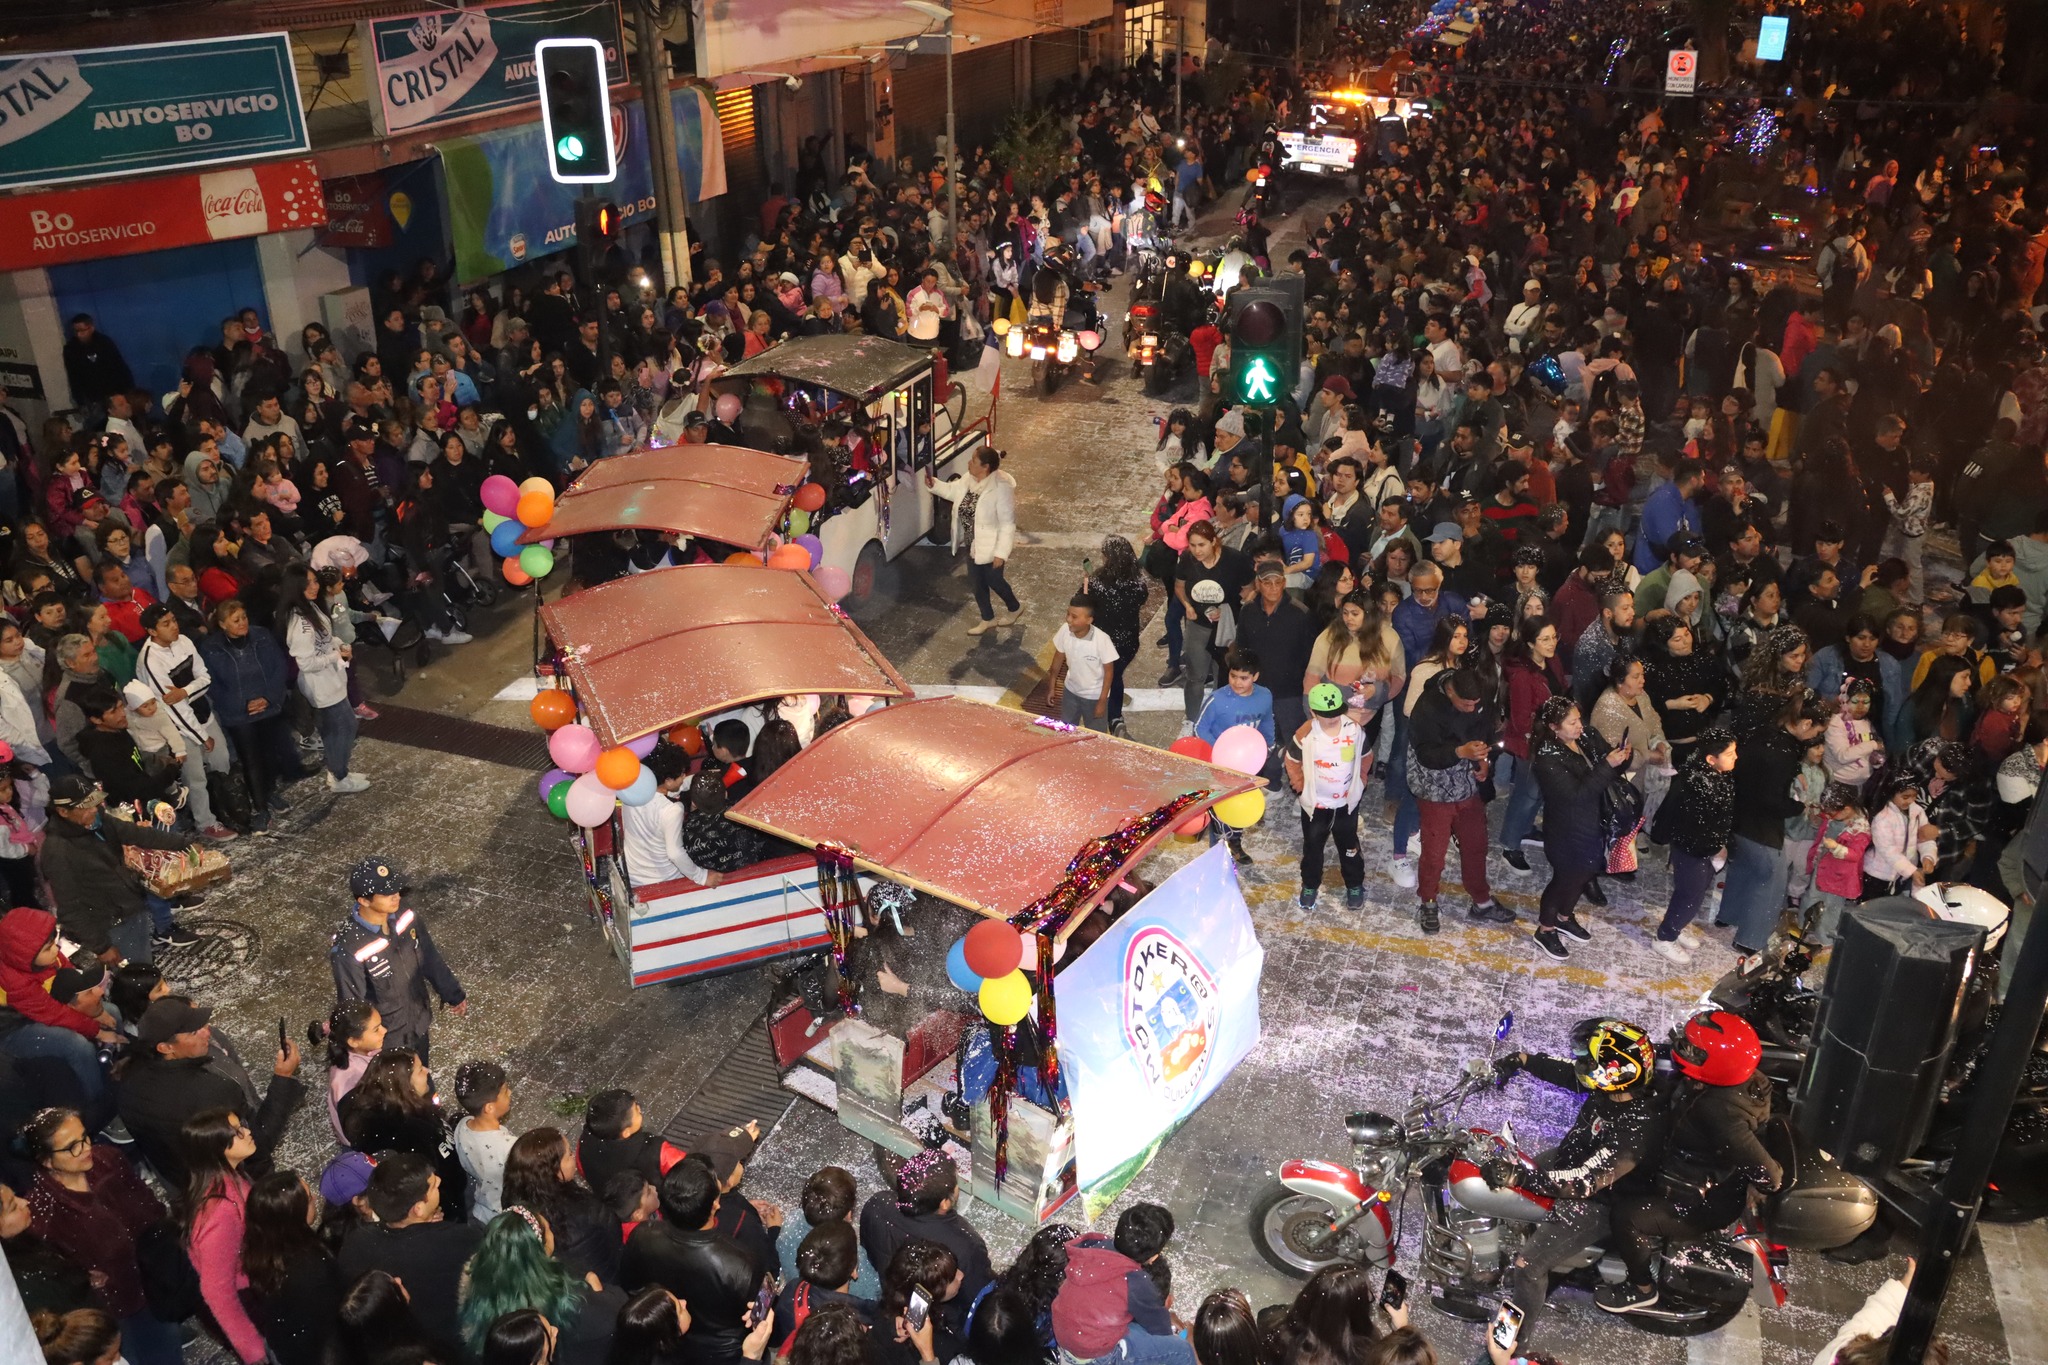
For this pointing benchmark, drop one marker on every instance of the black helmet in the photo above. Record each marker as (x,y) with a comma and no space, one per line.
(1612,1056)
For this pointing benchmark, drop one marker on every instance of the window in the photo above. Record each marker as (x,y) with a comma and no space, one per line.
(1147,22)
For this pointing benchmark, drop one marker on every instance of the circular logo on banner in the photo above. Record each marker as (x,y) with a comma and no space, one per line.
(1171,1013)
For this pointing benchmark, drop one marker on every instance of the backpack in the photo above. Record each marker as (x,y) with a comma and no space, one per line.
(1824,264)
(169,1282)
(799,1309)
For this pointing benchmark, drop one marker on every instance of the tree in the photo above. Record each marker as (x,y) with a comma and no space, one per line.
(1710,20)
(1034,148)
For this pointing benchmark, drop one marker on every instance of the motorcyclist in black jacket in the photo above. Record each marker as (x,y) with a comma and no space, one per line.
(1617,1133)
(1713,1153)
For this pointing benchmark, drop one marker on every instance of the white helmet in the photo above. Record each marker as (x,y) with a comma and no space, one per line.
(1963,904)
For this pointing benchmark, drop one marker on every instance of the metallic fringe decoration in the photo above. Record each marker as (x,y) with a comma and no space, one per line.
(1049,1025)
(840,898)
(1005,1040)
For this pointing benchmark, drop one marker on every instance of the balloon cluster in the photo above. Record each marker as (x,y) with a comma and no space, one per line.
(588,778)
(510,510)
(1242,749)
(988,963)
(802,550)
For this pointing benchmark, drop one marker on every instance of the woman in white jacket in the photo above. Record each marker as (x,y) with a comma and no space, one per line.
(308,634)
(169,668)
(986,523)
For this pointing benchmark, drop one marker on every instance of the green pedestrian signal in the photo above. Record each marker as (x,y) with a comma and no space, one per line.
(1265,346)
(1258,382)
(569,148)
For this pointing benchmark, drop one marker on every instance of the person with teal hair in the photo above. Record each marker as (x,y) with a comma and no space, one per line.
(514,1269)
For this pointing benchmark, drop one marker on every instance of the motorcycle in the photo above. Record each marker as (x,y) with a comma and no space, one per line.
(1317,1213)
(1154,346)
(1057,346)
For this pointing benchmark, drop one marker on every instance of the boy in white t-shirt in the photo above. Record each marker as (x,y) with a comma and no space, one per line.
(1080,667)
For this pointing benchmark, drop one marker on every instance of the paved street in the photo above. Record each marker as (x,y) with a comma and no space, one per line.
(1357,1006)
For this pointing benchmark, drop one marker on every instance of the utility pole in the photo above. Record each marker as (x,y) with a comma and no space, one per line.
(1297,39)
(952,156)
(671,221)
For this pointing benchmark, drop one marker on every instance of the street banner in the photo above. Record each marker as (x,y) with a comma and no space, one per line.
(448,64)
(93,221)
(1152,1018)
(504,208)
(1681,71)
(131,111)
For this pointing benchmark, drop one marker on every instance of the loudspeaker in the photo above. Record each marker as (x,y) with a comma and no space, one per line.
(1882,1037)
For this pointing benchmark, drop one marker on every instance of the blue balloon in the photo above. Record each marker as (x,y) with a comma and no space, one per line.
(957,970)
(505,540)
(642,790)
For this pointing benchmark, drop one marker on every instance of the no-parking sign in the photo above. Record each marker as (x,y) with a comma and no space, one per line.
(1681,70)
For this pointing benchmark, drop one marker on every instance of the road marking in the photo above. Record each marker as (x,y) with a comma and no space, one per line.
(1741,1342)
(2017,1259)
(519,689)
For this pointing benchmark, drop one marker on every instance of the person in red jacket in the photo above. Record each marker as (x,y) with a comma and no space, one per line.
(33,1025)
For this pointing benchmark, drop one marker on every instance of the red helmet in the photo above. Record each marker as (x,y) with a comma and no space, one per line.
(1717,1048)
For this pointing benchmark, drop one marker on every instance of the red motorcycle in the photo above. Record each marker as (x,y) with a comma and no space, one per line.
(1318,1213)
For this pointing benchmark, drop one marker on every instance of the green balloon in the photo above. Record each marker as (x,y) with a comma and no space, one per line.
(799,521)
(537,560)
(492,521)
(558,798)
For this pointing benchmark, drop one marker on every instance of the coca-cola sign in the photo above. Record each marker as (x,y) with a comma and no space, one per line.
(149,215)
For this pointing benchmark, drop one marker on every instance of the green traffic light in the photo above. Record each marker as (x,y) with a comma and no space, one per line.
(569,147)
(1260,382)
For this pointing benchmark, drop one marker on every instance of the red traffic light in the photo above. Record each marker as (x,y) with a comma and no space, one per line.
(607,220)
(1259,323)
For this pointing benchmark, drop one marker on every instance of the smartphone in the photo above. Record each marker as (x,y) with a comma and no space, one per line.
(1507,1325)
(283,1043)
(917,1310)
(1393,1290)
(764,1302)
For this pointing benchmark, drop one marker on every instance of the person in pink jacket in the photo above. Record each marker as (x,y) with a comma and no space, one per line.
(216,1143)
(1841,838)
(351,1036)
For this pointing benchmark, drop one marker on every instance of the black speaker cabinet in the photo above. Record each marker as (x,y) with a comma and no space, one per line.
(1881,1041)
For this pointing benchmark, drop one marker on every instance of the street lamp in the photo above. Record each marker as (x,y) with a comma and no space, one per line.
(943,14)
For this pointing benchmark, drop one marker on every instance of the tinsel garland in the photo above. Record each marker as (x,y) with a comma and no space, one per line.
(839,896)
(1004,1040)
(1090,874)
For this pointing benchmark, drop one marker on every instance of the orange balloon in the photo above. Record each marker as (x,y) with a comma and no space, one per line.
(688,738)
(747,557)
(810,497)
(790,557)
(515,575)
(552,709)
(617,768)
(535,509)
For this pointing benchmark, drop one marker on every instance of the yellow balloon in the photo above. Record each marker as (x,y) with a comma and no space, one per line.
(401,209)
(1242,810)
(1006,999)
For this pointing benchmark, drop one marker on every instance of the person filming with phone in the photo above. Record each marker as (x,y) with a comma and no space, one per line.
(1614,1138)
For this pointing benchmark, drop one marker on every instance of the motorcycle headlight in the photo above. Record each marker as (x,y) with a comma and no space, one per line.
(1013,341)
(1067,350)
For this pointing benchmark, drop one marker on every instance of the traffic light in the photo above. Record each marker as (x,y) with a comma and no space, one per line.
(1265,344)
(575,110)
(597,225)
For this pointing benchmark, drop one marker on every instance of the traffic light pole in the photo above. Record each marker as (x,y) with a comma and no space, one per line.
(671,219)
(590,250)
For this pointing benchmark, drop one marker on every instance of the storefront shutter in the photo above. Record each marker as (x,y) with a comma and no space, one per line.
(1055,57)
(744,180)
(984,91)
(918,93)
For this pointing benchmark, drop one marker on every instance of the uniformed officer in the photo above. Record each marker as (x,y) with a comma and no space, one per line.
(383,954)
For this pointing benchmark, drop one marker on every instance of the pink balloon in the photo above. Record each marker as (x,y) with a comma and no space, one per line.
(574,748)
(500,495)
(728,407)
(644,745)
(833,581)
(590,801)
(1241,749)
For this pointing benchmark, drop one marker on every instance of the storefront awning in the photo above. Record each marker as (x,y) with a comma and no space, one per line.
(976,804)
(657,649)
(725,493)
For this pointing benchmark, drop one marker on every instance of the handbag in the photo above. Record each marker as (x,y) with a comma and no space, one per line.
(228,794)
(170,1284)
(1159,561)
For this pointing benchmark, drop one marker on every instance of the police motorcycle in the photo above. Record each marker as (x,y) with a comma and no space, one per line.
(1481,1205)
(1062,326)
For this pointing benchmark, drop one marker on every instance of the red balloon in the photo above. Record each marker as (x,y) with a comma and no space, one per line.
(993,950)
(1188,746)
(1192,826)
(810,497)
(688,738)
